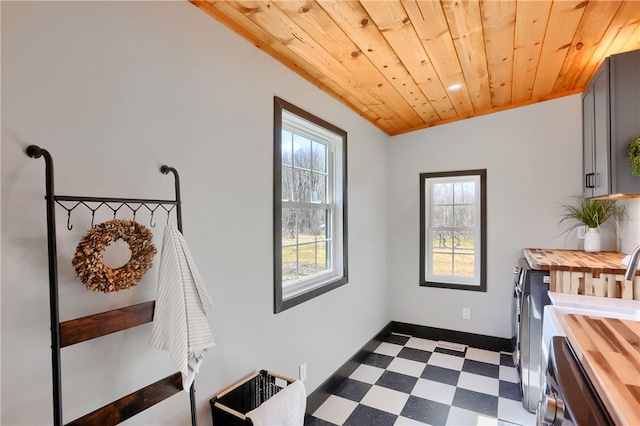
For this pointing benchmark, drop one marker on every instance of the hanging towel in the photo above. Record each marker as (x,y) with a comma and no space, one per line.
(286,408)
(179,322)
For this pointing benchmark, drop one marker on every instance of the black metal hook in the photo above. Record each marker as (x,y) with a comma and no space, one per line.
(168,211)
(134,211)
(93,211)
(69,226)
(69,210)
(93,216)
(115,205)
(115,211)
(152,211)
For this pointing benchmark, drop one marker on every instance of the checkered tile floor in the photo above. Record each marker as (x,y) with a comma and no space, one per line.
(410,381)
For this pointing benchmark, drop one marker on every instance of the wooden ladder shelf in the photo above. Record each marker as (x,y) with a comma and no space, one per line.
(79,330)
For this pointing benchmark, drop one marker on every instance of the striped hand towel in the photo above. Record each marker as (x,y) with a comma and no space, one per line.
(179,322)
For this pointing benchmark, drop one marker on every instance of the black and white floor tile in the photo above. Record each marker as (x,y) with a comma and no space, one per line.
(412,381)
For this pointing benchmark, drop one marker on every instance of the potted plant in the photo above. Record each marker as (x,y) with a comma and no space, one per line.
(591,213)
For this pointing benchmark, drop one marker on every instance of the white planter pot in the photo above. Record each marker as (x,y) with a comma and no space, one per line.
(592,240)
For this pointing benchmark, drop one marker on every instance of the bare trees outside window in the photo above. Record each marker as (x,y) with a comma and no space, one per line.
(305,235)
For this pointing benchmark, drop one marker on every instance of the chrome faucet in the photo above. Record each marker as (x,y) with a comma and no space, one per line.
(633,265)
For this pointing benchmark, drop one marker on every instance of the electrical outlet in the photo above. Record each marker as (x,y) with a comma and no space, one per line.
(303,371)
(466,313)
(581,231)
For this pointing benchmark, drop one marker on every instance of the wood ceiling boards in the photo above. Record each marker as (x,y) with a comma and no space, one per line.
(392,61)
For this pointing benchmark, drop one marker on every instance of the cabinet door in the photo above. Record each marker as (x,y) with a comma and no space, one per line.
(588,169)
(601,135)
(624,97)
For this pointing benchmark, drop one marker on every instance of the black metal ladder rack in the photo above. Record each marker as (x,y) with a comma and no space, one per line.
(82,329)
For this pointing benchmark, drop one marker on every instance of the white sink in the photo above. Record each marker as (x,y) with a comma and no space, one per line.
(602,304)
(583,305)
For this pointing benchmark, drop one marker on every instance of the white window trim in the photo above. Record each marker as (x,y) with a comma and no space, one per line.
(453,279)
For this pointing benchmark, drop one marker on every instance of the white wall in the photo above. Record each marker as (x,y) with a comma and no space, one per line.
(630,230)
(533,161)
(113,90)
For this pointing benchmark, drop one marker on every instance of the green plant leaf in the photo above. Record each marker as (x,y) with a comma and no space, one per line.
(589,212)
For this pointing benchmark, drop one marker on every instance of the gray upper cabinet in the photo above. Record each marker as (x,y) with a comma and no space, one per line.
(611,118)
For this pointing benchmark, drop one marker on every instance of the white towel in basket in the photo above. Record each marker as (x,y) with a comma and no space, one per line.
(286,408)
(179,322)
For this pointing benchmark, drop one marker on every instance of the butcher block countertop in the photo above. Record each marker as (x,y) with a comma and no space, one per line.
(609,351)
(604,262)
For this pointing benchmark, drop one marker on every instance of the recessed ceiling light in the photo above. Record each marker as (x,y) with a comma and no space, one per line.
(456,86)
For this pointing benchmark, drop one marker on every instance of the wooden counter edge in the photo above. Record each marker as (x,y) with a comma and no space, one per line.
(598,380)
(602,268)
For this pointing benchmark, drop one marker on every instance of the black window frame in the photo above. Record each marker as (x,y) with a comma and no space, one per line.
(482,173)
(281,304)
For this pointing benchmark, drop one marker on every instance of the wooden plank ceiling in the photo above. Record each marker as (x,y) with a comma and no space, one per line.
(394,61)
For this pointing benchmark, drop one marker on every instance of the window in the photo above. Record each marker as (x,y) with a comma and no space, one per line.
(453,223)
(310,206)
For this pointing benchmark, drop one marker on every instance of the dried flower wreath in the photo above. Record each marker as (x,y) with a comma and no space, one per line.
(634,155)
(88,258)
